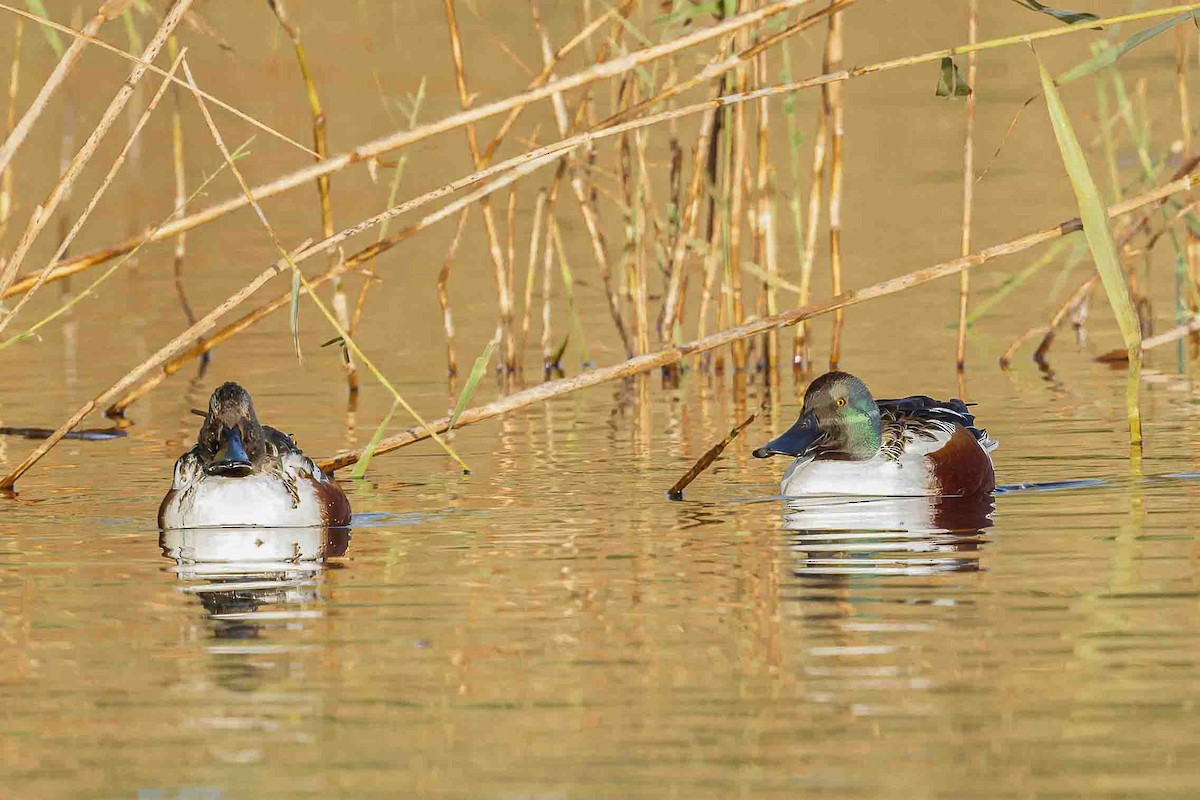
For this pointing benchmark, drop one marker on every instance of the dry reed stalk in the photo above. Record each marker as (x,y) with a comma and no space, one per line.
(347,341)
(587,210)
(398,139)
(362,257)
(6,176)
(816,188)
(736,192)
(42,213)
(535,236)
(1192,247)
(83,37)
(968,191)
(193,333)
(69,236)
(676,276)
(548,352)
(765,252)
(443,292)
(489,221)
(107,11)
(321,146)
(666,357)
(177,162)
(706,460)
(835,109)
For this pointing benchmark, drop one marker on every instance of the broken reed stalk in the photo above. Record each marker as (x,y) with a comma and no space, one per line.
(6,175)
(443,291)
(485,206)
(83,37)
(968,190)
(42,214)
(67,239)
(106,12)
(836,111)
(403,138)
(193,333)
(706,460)
(321,146)
(347,340)
(673,355)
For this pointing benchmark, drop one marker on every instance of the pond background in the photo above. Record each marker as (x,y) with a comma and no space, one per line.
(551,626)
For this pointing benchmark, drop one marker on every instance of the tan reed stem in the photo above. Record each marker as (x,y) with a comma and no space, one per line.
(737,199)
(321,146)
(443,291)
(816,188)
(661,358)
(836,111)
(535,237)
(180,174)
(968,189)
(10,121)
(508,344)
(42,214)
(406,137)
(765,252)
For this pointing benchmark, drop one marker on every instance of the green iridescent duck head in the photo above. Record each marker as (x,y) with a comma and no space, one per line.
(839,421)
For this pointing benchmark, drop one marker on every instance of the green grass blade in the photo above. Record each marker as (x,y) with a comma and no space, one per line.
(1094,215)
(52,36)
(473,379)
(360,466)
(294,315)
(1109,55)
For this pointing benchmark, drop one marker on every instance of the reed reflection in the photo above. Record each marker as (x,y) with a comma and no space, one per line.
(887,535)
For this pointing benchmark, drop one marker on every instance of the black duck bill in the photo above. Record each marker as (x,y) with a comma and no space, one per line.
(796,440)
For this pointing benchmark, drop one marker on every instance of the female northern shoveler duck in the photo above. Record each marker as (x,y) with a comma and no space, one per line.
(244,473)
(848,443)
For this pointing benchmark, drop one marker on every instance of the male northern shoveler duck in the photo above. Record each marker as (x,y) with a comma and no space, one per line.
(247,474)
(848,443)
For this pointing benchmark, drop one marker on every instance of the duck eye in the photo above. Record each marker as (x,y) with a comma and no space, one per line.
(841,402)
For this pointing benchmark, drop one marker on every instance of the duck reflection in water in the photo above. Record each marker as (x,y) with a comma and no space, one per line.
(249,578)
(840,536)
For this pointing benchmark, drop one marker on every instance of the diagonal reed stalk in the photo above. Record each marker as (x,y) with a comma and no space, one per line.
(662,358)
(617,66)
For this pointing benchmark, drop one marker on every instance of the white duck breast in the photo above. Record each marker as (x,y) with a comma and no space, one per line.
(218,501)
(907,475)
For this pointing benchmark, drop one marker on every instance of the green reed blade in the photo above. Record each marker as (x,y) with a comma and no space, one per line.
(52,36)
(360,466)
(1094,214)
(950,82)
(473,379)
(294,314)
(1109,55)
(1069,17)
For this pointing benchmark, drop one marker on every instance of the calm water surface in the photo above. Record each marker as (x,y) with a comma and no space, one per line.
(551,626)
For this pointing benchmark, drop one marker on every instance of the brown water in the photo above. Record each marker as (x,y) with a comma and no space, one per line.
(551,626)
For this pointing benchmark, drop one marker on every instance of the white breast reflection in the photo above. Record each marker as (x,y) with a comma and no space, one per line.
(887,535)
